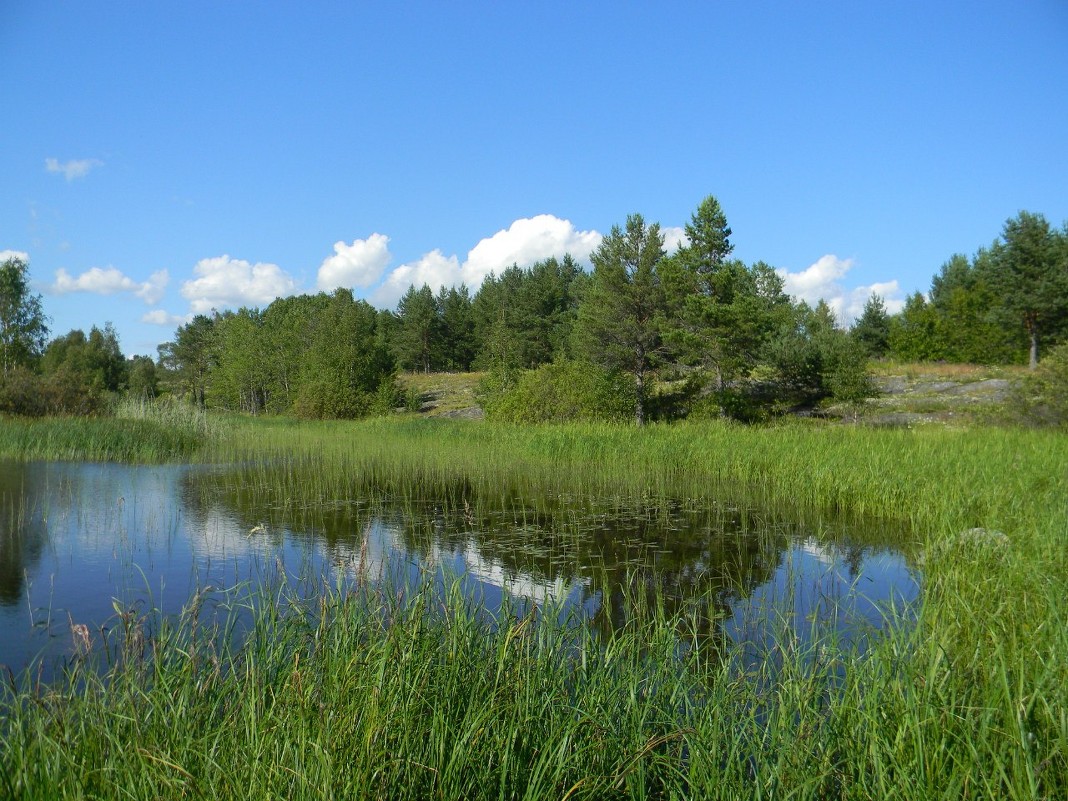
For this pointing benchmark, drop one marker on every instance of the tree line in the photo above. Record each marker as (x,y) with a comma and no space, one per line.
(644,335)
(1005,305)
(76,373)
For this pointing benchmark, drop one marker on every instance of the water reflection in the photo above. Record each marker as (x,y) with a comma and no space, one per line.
(80,538)
(23,532)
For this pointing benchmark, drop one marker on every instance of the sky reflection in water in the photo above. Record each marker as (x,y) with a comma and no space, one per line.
(77,540)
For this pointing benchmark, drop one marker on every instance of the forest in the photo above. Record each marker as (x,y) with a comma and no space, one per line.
(646,335)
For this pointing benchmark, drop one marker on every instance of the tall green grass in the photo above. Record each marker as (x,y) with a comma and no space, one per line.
(362,697)
(367,693)
(987,507)
(933,479)
(96,439)
(136,431)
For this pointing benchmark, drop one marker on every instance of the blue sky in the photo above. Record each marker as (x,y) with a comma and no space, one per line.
(163,159)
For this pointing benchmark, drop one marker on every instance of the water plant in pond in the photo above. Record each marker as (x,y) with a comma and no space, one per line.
(970,703)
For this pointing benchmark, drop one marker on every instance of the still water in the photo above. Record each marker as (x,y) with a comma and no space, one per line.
(81,542)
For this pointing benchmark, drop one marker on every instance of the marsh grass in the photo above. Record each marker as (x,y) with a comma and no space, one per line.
(96,439)
(170,413)
(137,431)
(991,637)
(355,694)
(373,691)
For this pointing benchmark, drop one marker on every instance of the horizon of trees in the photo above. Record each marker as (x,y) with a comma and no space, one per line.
(692,332)
(1005,305)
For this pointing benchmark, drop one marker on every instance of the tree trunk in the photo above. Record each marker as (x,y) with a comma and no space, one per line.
(639,400)
(1032,330)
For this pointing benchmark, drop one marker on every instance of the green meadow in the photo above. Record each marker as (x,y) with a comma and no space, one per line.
(367,692)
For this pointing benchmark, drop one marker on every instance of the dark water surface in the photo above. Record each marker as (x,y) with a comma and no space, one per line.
(80,543)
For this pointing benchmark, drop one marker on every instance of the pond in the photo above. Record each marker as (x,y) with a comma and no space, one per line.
(80,543)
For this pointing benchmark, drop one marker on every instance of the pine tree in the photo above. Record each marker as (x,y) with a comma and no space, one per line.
(872,329)
(619,321)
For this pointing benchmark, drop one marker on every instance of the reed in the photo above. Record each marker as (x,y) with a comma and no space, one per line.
(362,692)
(97,439)
(371,692)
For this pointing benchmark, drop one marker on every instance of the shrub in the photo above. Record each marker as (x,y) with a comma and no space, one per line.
(1041,398)
(20,393)
(563,390)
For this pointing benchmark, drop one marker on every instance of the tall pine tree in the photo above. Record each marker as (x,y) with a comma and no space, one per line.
(619,321)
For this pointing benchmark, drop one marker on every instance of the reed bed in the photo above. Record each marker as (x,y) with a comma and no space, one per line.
(360,695)
(364,692)
(97,439)
(935,480)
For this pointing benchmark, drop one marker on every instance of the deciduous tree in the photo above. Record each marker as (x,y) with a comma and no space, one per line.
(23,325)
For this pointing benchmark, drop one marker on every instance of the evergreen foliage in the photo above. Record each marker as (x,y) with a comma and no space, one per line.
(872,329)
(1001,307)
(619,322)
(1028,271)
(695,332)
(418,336)
(457,328)
(524,317)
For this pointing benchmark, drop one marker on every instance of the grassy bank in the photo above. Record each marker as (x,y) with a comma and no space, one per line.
(359,697)
(135,431)
(97,439)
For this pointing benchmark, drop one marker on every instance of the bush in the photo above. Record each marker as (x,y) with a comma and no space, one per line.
(563,390)
(20,393)
(64,392)
(1041,398)
(413,400)
(328,399)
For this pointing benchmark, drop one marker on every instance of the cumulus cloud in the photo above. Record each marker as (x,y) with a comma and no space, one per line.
(674,238)
(823,281)
(110,281)
(21,255)
(357,265)
(524,242)
(223,282)
(435,269)
(161,317)
(75,168)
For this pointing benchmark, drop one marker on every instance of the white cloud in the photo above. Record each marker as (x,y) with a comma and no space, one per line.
(21,255)
(75,168)
(435,269)
(359,264)
(823,281)
(224,282)
(525,242)
(674,238)
(110,281)
(161,317)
